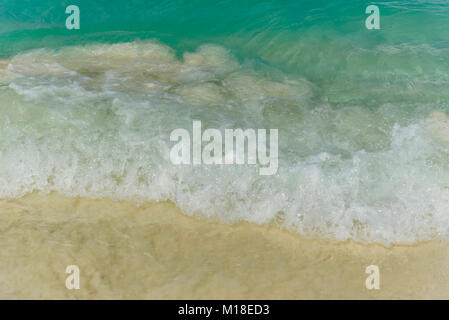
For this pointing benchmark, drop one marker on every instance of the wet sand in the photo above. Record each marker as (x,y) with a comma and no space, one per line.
(156,252)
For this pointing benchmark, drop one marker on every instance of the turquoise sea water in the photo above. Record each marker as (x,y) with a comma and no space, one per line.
(363,131)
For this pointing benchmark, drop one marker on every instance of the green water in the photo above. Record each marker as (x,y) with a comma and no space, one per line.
(325,41)
(363,136)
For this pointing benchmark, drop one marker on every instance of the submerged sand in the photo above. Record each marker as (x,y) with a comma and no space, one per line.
(156,252)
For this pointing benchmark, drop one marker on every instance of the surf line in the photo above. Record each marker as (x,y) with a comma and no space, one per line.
(212,153)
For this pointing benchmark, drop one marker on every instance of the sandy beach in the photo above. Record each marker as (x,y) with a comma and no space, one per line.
(155,252)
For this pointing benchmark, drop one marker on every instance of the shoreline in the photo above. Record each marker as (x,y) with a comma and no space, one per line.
(154,251)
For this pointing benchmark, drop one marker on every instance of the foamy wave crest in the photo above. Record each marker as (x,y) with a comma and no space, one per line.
(95,121)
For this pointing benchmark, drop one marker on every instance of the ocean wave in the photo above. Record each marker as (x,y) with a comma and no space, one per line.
(95,121)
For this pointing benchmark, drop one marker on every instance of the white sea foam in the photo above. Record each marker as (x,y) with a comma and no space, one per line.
(95,121)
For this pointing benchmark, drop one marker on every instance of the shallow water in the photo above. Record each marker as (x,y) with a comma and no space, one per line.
(363,135)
